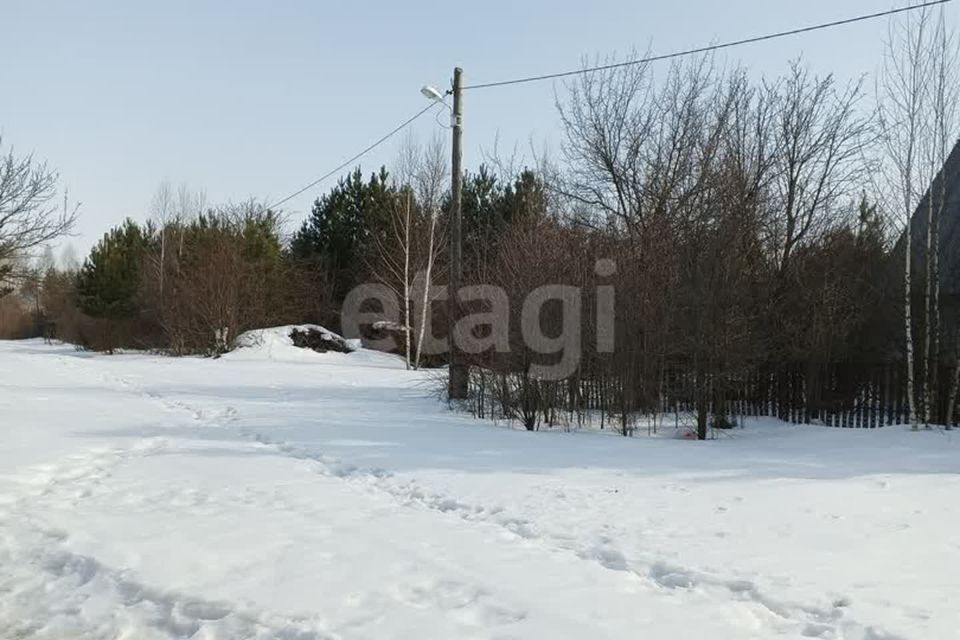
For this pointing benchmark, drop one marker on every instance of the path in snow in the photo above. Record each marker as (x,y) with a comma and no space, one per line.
(324,499)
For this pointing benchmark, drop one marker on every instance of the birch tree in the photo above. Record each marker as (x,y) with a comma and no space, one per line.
(189,205)
(395,247)
(942,95)
(430,180)
(917,93)
(161,210)
(901,108)
(408,247)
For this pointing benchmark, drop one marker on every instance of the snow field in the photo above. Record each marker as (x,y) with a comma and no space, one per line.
(281,494)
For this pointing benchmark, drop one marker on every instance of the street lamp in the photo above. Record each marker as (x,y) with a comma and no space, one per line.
(431,93)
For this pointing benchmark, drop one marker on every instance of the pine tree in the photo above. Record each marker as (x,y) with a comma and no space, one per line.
(339,233)
(489,208)
(109,281)
(870,232)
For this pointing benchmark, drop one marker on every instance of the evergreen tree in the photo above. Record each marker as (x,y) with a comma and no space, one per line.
(340,229)
(109,281)
(870,232)
(261,239)
(481,211)
(489,209)
(525,199)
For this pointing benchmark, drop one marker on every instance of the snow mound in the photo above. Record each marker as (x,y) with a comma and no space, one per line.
(305,343)
(291,340)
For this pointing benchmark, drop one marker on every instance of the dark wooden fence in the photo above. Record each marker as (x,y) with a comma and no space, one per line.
(835,395)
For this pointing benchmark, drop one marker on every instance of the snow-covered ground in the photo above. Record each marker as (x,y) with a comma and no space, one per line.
(274,494)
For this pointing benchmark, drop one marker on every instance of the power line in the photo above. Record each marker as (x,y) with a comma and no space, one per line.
(617,65)
(403,125)
(715,47)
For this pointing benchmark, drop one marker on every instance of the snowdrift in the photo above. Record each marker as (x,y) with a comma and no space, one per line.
(306,343)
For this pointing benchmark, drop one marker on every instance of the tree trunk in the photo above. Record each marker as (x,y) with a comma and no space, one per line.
(406,282)
(908,327)
(928,320)
(426,293)
(702,407)
(952,398)
(163,252)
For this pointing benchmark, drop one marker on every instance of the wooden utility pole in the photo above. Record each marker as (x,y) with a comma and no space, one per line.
(458,372)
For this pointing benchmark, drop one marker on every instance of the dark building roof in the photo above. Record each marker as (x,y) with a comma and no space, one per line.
(948,177)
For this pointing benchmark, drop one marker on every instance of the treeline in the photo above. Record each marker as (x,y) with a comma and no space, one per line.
(190,279)
(699,229)
(182,286)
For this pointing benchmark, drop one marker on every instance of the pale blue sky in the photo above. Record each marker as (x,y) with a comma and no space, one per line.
(257,98)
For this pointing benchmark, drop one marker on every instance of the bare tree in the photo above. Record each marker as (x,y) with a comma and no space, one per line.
(608,119)
(717,197)
(29,215)
(818,138)
(901,123)
(68,260)
(395,247)
(162,211)
(189,205)
(916,95)
(171,211)
(643,155)
(942,96)
(430,180)
(409,244)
